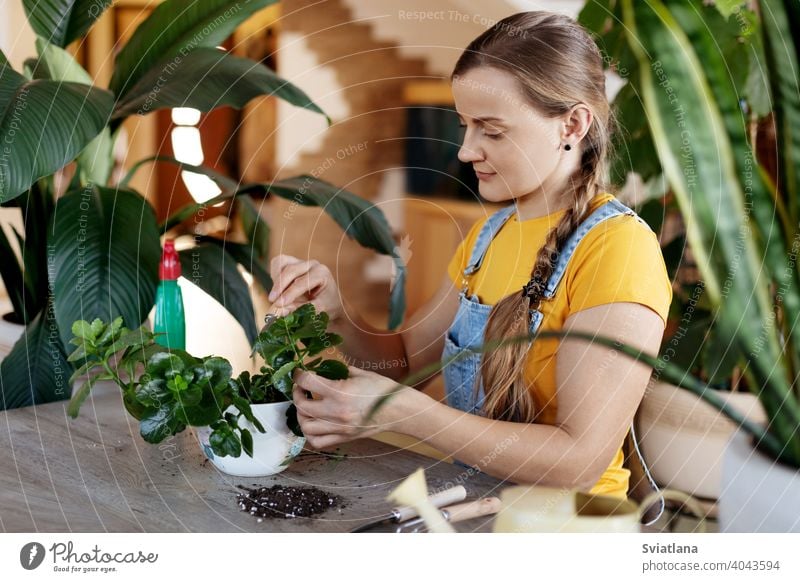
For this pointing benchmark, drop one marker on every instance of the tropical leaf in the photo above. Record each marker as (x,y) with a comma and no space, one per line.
(96,161)
(44,124)
(62,21)
(105,259)
(207,78)
(36,370)
(173,29)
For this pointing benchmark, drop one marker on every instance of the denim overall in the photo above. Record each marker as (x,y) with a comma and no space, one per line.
(470,321)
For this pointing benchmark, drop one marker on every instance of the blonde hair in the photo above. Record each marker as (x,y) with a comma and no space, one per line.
(557,65)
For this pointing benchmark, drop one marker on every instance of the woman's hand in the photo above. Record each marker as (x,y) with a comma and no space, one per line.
(297,282)
(337,414)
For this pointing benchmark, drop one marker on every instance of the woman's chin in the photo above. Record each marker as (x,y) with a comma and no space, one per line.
(491,194)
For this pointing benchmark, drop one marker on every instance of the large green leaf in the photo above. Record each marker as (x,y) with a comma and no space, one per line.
(44,125)
(246,256)
(254,226)
(96,161)
(207,78)
(214,271)
(105,257)
(702,163)
(36,370)
(173,29)
(62,21)
(223,181)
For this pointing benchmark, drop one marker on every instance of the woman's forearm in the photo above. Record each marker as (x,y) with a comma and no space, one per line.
(369,348)
(520,452)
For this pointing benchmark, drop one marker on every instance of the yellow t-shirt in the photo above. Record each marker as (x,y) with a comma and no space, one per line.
(619,260)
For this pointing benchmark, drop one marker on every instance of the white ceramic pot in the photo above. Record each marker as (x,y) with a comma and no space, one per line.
(273,450)
(9,334)
(758,495)
(683,437)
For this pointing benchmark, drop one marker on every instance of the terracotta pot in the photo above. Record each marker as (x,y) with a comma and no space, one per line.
(683,438)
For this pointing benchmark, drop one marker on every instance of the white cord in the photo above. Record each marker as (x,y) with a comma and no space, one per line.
(649,476)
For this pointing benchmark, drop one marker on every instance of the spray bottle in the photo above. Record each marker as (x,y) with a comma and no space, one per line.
(169,318)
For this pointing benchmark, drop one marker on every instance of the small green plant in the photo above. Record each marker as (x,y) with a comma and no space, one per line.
(168,390)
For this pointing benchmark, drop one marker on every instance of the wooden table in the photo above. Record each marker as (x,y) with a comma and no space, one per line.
(96,474)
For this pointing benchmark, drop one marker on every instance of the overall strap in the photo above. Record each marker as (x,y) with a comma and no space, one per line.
(488,231)
(608,210)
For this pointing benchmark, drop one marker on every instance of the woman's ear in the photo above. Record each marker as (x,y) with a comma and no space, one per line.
(577,122)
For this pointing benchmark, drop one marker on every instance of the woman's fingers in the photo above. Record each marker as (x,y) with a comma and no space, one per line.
(286,269)
(317,426)
(302,285)
(279,262)
(312,382)
(305,405)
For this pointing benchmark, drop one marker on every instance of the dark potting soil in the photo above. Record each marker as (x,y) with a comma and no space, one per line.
(285,502)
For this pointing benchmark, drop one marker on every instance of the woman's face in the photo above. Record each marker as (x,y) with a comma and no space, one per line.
(515,151)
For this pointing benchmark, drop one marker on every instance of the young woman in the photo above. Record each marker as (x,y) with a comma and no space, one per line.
(563,254)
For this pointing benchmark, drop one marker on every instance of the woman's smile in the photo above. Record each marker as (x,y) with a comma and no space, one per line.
(484,175)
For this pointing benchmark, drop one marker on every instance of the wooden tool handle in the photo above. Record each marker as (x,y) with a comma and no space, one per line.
(477,508)
(440,499)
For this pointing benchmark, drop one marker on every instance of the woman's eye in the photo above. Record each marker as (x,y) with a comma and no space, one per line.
(493,135)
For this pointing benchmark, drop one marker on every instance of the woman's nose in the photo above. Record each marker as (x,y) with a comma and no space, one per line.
(467,153)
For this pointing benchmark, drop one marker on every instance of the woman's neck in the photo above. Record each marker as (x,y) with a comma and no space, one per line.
(552,194)
(536,205)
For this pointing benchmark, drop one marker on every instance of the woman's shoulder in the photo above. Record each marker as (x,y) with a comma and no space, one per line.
(619,226)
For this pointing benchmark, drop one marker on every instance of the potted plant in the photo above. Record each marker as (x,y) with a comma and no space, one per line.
(710,94)
(77,263)
(168,390)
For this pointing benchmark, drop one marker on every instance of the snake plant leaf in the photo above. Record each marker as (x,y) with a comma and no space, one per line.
(62,21)
(173,29)
(782,53)
(689,122)
(44,125)
(106,254)
(704,28)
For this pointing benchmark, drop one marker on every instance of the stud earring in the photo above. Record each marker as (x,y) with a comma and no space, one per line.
(567,147)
